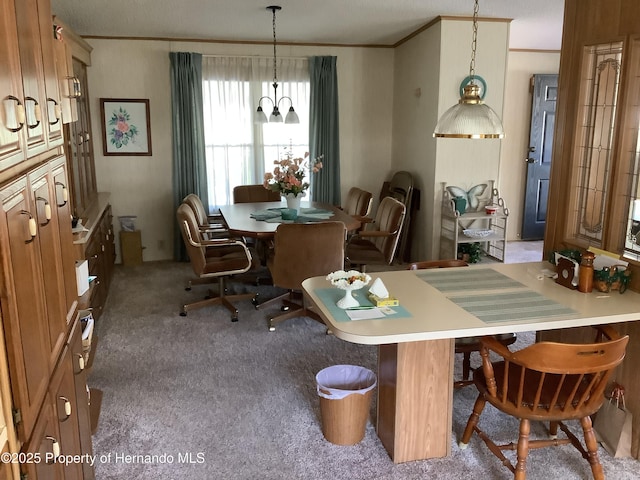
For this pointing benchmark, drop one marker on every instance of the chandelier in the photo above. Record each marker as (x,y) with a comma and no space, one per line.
(470,117)
(276,116)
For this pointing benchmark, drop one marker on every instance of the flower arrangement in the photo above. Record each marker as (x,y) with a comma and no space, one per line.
(352,279)
(288,175)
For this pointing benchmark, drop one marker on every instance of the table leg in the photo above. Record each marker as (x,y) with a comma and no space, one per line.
(415,399)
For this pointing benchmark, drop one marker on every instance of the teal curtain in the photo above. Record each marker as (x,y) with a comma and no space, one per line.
(324,132)
(189,163)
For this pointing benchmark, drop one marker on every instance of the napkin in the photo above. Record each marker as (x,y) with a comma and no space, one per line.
(378,289)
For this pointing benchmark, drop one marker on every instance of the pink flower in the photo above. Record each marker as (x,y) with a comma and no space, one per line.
(122,126)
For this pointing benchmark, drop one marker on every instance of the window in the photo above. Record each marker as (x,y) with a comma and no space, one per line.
(238,151)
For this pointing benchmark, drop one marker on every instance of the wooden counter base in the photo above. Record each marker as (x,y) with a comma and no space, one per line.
(411,423)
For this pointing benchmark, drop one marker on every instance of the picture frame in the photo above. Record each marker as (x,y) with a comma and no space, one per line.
(126,128)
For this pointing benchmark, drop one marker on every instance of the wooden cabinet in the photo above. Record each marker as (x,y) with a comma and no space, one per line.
(24,311)
(97,246)
(44,406)
(73,56)
(12,121)
(80,147)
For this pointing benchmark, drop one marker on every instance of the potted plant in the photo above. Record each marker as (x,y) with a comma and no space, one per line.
(469,252)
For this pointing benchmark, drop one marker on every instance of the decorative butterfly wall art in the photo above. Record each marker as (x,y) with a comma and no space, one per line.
(472,196)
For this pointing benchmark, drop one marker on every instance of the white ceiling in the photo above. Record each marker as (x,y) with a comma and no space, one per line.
(537,24)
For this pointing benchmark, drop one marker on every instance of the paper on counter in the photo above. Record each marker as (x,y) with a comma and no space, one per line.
(368,314)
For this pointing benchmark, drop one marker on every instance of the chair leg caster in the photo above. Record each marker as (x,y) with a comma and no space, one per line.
(272,327)
(284,308)
(255,303)
(463,446)
(329,332)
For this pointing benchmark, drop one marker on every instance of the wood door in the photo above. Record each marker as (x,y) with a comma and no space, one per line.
(11,129)
(44,442)
(46,215)
(23,307)
(545,89)
(60,203)
(82,397)
(65,412)
(52,108)
(85,146)
(32,75)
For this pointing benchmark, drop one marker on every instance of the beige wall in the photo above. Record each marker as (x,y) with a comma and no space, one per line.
(435,62)
(517,117)
(384,94)
(142,186)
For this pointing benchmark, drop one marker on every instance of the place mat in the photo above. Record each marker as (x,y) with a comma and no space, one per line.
(468,279)
(329,297)
(273,215)
(511,306)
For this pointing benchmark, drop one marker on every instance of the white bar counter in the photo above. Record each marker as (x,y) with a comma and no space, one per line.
(415,356)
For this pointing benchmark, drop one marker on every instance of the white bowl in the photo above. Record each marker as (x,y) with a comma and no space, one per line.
(476,233)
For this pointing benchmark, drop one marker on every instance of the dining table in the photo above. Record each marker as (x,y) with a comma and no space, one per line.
(415,339)
(254,219)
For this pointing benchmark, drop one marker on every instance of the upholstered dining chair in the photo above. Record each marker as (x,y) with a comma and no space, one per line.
(376,245)
(358,203)
(465,345)
(303,250)
(213,259)
(548,382)
(254,193)
(211,225)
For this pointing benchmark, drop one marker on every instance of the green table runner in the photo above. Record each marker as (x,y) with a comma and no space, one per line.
(273,215)
(524,304)
(460,279)
(329,297)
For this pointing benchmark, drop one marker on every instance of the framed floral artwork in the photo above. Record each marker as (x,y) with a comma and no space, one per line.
(125,126)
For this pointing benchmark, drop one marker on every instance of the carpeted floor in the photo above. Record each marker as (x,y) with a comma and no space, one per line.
(201,398)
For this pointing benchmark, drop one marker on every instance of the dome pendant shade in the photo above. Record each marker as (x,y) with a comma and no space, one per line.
(469,118)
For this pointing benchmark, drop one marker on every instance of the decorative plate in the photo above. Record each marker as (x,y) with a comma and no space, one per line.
(476,233)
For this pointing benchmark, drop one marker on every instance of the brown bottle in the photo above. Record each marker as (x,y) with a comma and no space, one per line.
(585,274)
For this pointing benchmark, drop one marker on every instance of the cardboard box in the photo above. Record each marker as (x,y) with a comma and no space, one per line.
(383,302)
(82,277)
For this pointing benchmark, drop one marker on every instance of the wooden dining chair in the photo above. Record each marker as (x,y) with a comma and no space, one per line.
(550,382)
(465,345)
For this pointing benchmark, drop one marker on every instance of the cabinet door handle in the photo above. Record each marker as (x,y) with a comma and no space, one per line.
(33,226)
(67,408)
(20,114)
(47,210)
(65,194)
(57,111)
(55,448)
(95,256)
(74,87)
(80,363)
(36,112)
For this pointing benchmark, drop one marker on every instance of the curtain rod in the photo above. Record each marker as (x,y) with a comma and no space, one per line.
(251,56)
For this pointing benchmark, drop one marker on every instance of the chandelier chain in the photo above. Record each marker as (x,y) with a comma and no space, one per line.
(474,42)
(275,75)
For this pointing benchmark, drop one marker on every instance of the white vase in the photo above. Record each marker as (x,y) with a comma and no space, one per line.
(347,301)
(293,201)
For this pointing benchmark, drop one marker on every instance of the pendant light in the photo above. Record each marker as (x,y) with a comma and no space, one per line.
(470,117)
(276,116)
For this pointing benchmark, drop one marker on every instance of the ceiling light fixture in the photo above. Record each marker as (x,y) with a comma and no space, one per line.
(276,116)
(470,117)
